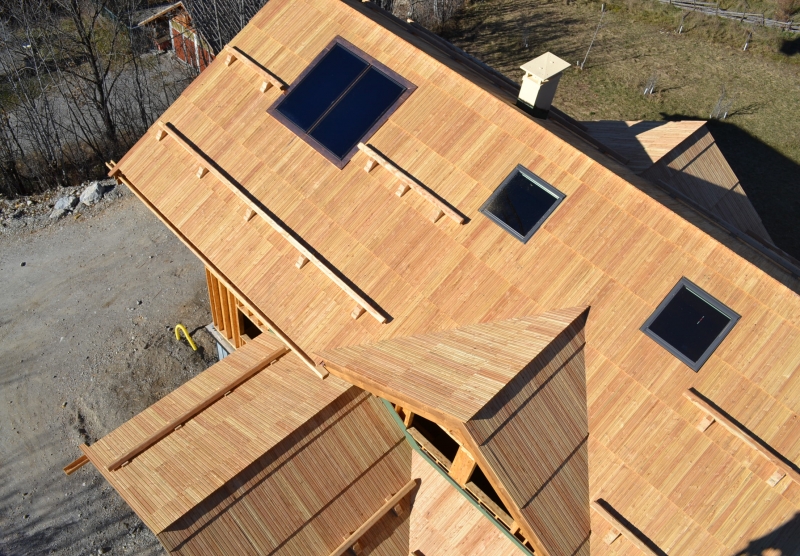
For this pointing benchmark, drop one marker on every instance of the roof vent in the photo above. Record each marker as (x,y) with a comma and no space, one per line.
(540,82)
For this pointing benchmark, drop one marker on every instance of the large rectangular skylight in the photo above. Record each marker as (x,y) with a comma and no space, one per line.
(690,323)
(340,100)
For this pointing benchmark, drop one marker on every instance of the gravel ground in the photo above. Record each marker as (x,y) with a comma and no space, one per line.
(86,314)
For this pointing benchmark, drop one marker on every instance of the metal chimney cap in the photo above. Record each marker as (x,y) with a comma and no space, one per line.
(545,66)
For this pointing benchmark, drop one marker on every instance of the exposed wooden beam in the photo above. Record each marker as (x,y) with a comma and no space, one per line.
(325,267)
(619,526)
(373,519)
(734,428)
(75,465)
(202,171)
(463,466)
(412,183)
(270,79)
(302,260)
(193,411)
(319,371)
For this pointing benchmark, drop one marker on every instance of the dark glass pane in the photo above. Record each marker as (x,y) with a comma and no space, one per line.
(520,204)
(320,87)
(689,324)
(363,105)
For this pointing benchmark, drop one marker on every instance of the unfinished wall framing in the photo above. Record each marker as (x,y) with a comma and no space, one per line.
(231,317)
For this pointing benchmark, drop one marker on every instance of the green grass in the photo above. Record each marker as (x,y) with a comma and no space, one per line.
(639,39)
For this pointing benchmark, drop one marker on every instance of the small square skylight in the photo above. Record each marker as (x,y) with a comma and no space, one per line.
(340,99)
(690,323)
(522,203)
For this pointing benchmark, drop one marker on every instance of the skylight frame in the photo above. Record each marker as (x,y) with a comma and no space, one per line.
(705,297)
(371,62)
(536,180)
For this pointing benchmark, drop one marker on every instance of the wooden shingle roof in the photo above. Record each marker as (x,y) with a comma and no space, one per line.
(616,244)
(177,473)
(514,393)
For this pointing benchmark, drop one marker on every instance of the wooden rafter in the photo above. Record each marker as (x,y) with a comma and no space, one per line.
(407,182)
(270,79)
(351,539)
(75,465)
(713,414)
(325,267)
(193,411)
(319,371)
(622,529)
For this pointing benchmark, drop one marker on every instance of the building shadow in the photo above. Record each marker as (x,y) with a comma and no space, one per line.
(783,541)
(790,47)
(770,180)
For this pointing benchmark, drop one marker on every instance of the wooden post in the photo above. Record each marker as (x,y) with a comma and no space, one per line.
(249,214)
(401,190)
(201,171)
(409,419)
(463,466)
(229,59)
(302,260)
(265,86)
(160,134)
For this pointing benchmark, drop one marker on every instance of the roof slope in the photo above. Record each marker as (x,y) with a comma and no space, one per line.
(444,522)
(683,157)
(697,169)
(643,143)
(614,246)
(309,492)
(175,474)
(514,391)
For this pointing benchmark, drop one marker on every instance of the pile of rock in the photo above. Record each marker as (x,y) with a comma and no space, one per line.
(92,194)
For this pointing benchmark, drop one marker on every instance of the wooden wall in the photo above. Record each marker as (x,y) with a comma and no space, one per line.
(309,492)
(227,312)
(534,437)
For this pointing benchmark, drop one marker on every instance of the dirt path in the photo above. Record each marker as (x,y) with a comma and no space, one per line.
(85,344)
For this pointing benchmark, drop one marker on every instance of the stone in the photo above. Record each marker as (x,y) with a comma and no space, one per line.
(66,203)
(93,193)
(59,213)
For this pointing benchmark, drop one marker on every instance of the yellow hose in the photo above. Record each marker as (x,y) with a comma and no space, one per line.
(180,328)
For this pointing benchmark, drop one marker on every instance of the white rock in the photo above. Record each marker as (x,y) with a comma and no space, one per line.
(66,203)
(59,213)
(93,193)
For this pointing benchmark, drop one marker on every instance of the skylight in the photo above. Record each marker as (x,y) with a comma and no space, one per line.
(341,99)
(522,203)
(690,323)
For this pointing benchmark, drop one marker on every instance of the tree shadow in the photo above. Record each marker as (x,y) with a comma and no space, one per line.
(790,47)
(785,540)
(770,180)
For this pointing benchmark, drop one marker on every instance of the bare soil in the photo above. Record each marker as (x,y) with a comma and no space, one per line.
(86,342)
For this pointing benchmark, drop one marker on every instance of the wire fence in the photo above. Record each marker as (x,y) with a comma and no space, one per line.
(712,8)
